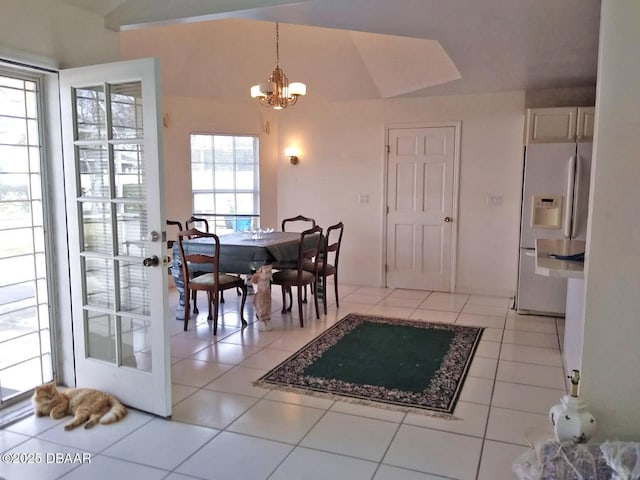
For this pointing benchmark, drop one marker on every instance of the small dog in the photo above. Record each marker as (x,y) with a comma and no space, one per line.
(262,298)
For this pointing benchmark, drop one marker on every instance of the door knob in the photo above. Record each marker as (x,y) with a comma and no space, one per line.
(447,219)
(153,261)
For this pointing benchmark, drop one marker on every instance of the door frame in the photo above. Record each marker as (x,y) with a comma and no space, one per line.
(457,126)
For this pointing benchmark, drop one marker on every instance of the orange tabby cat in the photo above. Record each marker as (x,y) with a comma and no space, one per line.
(85,404)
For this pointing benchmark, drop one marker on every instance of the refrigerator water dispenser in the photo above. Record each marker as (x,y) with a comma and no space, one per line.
(546,211)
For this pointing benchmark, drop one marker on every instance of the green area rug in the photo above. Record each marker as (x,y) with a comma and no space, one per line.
(402,363)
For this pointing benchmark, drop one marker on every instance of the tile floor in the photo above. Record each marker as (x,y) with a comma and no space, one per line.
(224,428)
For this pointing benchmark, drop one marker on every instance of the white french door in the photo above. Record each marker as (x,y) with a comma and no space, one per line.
(421,193)
(114,175)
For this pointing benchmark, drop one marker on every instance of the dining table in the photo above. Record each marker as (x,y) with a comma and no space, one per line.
(240,253)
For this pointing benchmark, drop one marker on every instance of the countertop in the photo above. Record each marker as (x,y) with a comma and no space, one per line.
(552,267)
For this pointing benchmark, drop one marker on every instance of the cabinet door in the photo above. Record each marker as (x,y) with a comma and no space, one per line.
(586,118)
(551,125)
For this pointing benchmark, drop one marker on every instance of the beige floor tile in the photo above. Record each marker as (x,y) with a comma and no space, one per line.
(531,339)
(405,302)
(522,428)
(234,456)
(195,373)
(500,302)
(529,374)
(525,397)
(488,349)
(491,310)
(239,380)
(389,311)
(449,302)
(477,390)
(478,320)
(435,452)
(266,359)
(409,294)
(497,460)
(387,472)
(525,354)
(379,413)
(308,464)
(531,323)
(229,353)
(436,316)
(212,409)
(483,367)
(467,419)
(350,435)
(283,422)
(299,399)
(180,392)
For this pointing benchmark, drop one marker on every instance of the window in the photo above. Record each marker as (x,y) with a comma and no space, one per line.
(25,338)
(225,180)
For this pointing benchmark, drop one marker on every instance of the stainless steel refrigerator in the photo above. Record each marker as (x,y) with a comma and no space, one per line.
(555,198)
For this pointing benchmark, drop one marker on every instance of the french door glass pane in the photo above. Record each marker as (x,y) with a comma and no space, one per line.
(132,229)
(90,113)
(25,340)
(98,274)
(96,226)
(101,336)
(94,171)
(110,163)
(134,293)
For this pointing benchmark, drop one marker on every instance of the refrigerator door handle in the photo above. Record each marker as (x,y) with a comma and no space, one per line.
(568,212)
(576,199)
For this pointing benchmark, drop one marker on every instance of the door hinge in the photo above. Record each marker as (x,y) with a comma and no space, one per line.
(387,209)
(388,147)
(386,267)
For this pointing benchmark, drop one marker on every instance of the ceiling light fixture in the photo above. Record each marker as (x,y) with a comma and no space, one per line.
(277,92)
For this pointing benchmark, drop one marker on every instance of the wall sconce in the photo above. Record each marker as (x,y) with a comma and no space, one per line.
(292,153)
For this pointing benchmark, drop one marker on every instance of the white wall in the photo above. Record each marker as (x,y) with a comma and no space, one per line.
(71,36)
(611,353)
(342,155)
(186,115)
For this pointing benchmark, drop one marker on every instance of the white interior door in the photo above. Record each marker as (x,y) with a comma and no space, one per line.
(420,207)
(114,177)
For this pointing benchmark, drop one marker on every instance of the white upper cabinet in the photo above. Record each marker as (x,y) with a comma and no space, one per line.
(560,125)
(586,118)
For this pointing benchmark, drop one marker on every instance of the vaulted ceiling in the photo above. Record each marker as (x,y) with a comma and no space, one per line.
(362,48)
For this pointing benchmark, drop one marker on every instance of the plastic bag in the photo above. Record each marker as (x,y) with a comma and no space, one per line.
(623,458)
(562,461)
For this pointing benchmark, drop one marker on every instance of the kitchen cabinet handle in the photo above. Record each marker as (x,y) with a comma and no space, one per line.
(575,213)
(569,200)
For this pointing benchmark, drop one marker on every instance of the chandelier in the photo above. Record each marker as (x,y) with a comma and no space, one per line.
(277,92)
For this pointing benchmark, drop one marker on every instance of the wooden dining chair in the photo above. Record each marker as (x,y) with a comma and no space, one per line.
(171,241)
(328,263)
(300,221)
(308,252)
(212,282)
(192,222)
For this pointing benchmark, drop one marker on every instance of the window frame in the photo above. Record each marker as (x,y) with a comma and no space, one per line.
(222,215)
